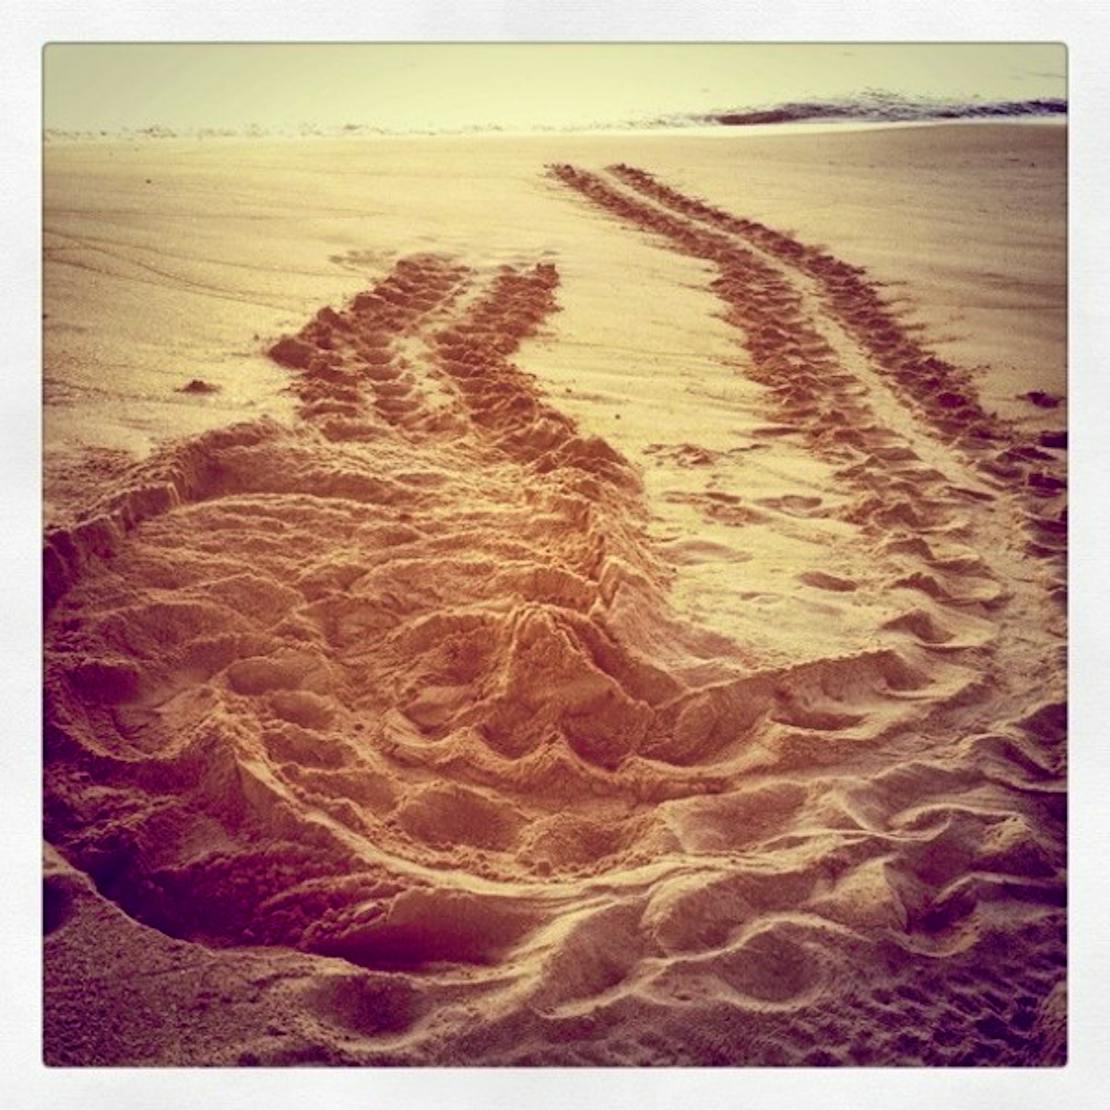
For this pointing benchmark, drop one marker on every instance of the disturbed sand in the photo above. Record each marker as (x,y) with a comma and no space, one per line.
(556,600)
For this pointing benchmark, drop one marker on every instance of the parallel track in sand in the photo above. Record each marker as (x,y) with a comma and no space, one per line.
(387,717)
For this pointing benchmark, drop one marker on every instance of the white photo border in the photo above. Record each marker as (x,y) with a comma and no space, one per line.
(1080,26)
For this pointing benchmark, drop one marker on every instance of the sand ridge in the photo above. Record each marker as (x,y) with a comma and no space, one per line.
(401,687)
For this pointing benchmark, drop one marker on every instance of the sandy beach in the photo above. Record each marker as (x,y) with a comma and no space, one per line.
(561,599)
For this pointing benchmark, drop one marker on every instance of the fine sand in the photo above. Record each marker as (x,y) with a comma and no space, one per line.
(556,599)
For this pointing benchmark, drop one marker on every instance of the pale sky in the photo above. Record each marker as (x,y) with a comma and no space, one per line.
(452,86)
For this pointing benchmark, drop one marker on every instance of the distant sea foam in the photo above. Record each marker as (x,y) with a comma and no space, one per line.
(880,107)
(867,107)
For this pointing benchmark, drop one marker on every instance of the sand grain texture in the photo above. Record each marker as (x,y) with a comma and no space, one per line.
(628,638)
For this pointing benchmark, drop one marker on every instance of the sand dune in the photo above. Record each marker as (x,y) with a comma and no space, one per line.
(428,725)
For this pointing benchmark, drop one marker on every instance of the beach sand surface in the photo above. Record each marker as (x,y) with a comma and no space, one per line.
(556,599)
